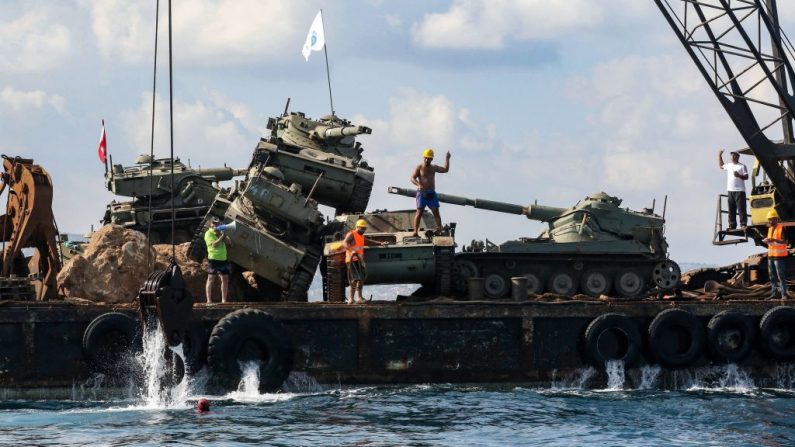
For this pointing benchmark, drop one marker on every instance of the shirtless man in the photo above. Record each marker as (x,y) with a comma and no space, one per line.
(424,178)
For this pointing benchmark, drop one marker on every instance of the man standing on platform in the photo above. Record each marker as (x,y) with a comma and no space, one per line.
(424,178)
(736,175)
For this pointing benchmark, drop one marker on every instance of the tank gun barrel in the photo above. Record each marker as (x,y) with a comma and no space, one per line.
(534,212)
(220,174)
(324,132)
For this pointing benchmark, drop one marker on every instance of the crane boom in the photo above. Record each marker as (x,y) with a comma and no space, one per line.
(740,49)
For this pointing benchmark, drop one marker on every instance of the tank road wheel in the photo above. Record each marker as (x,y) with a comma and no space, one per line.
(612,337)
(777,333)
(108,340)
(249,335)
(535,285)
(595,283)
(462,271)
(666,275)
(676,338)
(629,283)
(562,283)
(729,336)
(496,286)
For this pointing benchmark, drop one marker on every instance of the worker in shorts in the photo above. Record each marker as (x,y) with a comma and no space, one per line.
(218,263)
(354,244)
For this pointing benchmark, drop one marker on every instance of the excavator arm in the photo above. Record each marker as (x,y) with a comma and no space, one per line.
(29,223)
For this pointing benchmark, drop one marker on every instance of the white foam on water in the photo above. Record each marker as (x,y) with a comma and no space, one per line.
(729,378)
(615,375)
(648,377)
(248,388)
(577,381)
(156,392)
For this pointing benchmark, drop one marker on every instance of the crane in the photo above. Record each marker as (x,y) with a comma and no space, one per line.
(746,58)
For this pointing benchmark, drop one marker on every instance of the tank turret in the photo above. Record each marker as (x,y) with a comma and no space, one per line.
(150,178)
(594,247)
(322,156)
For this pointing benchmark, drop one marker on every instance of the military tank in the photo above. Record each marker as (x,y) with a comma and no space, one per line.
(426,259)
(276,232)
(594,247)
(322,156)
(193,194)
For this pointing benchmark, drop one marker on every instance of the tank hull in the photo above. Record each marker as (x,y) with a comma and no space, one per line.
(343,185)
(382,342)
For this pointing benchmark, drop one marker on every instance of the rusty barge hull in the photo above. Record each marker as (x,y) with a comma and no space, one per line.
(377,343)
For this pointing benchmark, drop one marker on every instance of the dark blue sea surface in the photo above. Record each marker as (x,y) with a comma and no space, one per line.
(444,414)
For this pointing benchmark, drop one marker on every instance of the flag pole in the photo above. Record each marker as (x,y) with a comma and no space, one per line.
(328,74)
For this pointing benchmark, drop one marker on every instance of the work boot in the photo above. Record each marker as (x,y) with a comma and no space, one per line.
(349,301)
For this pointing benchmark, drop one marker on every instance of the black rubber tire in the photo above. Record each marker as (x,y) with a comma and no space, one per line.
(194,347)
(730,337)
(110,340)
(612,337)
(777,333)
(676,338)
(249,335)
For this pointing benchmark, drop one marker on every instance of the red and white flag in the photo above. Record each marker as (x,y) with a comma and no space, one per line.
(102,150)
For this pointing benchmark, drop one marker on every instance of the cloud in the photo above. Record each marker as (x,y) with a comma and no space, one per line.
(32,42)
(481,24)
(18,101)
(211,132)
(206,32)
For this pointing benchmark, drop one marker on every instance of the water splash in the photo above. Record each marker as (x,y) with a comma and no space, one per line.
(615,375)
(301,382)
(577,381)
(248,388)
(648,376)
(158,390)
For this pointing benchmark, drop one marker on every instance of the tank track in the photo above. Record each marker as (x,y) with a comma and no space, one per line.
(564,274)
(334,279)
(302,278)
(360,197)
(443,257)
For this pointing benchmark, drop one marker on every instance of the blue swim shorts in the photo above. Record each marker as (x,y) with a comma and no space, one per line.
(427,198)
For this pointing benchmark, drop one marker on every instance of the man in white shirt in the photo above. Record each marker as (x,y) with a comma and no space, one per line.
(736,175)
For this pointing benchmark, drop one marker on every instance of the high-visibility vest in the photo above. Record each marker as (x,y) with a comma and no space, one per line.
(775,250)
(358,247)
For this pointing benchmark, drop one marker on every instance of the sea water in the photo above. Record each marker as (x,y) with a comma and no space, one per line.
(713,406)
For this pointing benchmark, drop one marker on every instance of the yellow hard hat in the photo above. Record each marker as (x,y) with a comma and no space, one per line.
(427,153)
(361,223)
(771,214)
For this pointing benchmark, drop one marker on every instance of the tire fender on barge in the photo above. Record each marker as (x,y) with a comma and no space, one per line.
(676,338)
(777,333)
(612,337)
(249,335)
(108,339)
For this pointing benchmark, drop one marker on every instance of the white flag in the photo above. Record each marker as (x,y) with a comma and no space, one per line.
(315,39)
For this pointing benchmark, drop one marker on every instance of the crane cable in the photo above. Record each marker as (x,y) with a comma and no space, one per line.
(149,263)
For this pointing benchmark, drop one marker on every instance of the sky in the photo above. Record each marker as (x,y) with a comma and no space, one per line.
(538,101)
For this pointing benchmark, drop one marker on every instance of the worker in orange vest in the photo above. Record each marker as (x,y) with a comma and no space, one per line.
(354,244)
(776,255)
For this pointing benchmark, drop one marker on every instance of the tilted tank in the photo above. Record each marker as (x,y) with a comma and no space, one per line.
(426,259)
(194,192)
(277,232)
(594,247)
(322,156)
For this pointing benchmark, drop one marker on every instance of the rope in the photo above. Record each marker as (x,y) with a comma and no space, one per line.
(171,131)
(149,262)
